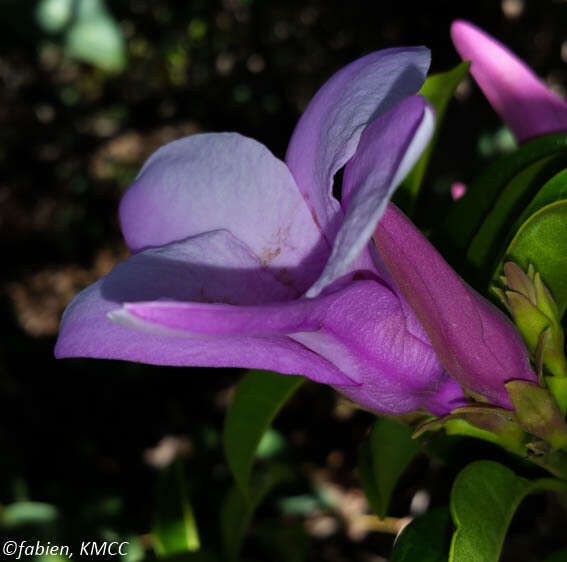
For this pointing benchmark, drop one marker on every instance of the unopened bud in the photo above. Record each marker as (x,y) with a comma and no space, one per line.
(536,315)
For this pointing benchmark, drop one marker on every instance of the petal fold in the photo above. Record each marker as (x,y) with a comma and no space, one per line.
(476,343)
(360,329)
(224,181)
(388,149)
(212,267)
(523,101)
(328,132)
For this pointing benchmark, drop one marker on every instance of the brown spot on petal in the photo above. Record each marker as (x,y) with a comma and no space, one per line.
(268,255)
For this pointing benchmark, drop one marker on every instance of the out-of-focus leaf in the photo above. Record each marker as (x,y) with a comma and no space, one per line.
(425,539)
(237,509)
(383,458)
(53,15)
(484,498)
(492,236)
(498,142)
(258,398)
(367,478)
(175,529)
(468,213)
(95,37)
(136,551)
(438,89)
(542,242)
(272,443)
(305,504)
(27,513)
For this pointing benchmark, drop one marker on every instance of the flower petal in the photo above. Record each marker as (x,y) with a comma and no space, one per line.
(478,346)
(522,100)
(224,181)
(214,266)
(360,329)
(328,132)
(388,150)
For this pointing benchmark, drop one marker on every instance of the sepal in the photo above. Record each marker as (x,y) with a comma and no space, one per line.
(536,315)
(537,412)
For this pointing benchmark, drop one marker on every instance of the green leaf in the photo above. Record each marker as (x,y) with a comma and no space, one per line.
(425,539)
(259,396)
(438,89)
(384,457)
(237,509)
(469,212)
(492,237)
(553,190)
(542,242)
(484,498)
(367,479)
(175,529)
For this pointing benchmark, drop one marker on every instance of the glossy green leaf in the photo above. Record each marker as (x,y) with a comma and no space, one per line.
(237,509)
(175,529)
(468,214)
(553,190)
(542,242)
(484,498)
(258,398)
(382,460)
(438,89)
(493,236)
(425,539)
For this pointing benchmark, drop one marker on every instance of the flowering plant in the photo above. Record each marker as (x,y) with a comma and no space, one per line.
(240,259)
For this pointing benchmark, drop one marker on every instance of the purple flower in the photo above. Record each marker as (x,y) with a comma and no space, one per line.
(227,239)
(242,260)
(476,343)
(522,100)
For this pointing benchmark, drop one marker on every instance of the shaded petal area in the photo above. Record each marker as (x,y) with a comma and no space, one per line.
(211,267)
(389,148)
(360,329)
(224,181)
(328,132)
(523,101)
(476,343)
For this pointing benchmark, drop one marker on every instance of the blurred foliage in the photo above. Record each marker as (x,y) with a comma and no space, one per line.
(91,33)
(89,89)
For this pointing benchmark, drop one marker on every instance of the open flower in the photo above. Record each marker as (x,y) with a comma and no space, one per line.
(523,101)
(242,260)
(227,239)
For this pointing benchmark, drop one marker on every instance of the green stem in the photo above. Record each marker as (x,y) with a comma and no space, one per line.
(514,441)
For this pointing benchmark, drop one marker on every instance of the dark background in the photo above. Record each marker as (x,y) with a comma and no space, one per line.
(75,434)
